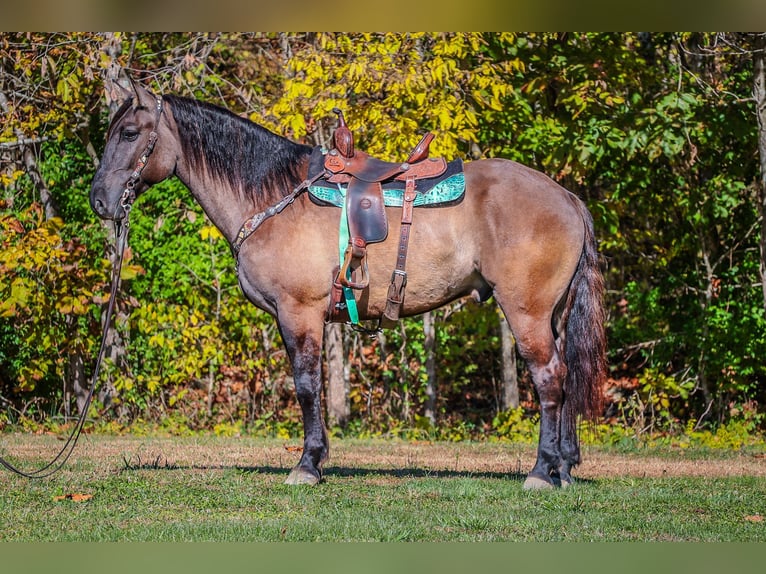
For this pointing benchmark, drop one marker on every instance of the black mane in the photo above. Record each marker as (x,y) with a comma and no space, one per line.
(235,150)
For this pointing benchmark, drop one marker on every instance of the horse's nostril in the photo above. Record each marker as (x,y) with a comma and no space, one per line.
(99,207)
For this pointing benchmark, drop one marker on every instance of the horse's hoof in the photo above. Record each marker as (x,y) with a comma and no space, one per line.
(300,475)
(566,483)
(537,483)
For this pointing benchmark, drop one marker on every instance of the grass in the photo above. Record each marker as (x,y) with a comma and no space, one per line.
(230,489)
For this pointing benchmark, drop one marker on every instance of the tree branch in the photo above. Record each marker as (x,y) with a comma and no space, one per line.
(30,163)
(21,142)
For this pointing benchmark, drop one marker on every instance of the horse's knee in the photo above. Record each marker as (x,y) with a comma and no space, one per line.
(306,390)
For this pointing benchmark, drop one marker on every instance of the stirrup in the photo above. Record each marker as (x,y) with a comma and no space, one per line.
(356,254)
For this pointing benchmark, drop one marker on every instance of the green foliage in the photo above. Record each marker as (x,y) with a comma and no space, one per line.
(51,291)
(654,403)
(656,132)
(514,425)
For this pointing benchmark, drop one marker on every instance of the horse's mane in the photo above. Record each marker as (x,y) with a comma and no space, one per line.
(235,150)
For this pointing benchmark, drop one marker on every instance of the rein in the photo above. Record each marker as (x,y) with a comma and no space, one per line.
(66,451)
(122,227)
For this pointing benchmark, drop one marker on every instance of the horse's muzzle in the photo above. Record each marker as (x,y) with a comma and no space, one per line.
(104,210)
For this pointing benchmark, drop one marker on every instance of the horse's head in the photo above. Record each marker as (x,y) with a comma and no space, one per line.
(137,155)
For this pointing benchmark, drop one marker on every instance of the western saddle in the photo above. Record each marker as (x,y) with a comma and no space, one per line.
(364,177)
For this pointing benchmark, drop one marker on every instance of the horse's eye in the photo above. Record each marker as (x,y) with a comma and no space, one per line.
(129,135)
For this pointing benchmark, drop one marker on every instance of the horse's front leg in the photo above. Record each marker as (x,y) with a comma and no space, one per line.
(304,347)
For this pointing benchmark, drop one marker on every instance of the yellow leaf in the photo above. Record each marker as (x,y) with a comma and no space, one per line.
(76,497)
(298,125)
(210,232)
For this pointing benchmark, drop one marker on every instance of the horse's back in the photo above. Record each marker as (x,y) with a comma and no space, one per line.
(520,200)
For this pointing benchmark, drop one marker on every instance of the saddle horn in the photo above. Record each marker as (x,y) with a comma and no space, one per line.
(343,139)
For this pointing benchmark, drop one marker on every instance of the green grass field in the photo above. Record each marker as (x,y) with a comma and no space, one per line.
(230,489)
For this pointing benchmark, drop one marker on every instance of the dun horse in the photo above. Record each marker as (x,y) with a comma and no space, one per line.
(516,235)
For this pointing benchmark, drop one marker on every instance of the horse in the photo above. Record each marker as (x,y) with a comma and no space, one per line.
(517,236)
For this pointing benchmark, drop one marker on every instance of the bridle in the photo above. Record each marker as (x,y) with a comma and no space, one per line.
(129,193)
(122,226)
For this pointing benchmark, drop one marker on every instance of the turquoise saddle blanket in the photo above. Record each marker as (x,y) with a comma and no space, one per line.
(444,190)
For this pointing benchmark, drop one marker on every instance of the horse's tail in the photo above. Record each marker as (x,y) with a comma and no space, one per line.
(585,336)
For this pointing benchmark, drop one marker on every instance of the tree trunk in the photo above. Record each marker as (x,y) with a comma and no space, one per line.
(705,304)
(759,92)
(429,345)
(77,381)
(46,199)
(115,350)
(509,397)
(338,407)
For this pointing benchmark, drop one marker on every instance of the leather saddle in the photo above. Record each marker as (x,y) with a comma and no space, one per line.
(364,177)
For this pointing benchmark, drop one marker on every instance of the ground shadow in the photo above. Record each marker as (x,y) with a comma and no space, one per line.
(343,471)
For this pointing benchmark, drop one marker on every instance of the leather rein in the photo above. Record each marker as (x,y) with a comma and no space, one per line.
(122,226)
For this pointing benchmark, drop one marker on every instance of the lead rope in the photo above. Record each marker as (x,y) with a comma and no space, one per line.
(122,226)
(63,455)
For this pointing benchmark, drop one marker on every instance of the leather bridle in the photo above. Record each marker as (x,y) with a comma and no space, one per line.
(129,193)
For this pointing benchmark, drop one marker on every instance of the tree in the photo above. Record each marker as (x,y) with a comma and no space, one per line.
(655,131)
(509,396)
(337,375)
(759,94)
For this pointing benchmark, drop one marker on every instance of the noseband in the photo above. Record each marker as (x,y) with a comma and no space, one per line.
(129,193)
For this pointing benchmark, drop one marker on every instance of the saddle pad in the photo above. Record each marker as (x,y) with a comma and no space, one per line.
(446,191)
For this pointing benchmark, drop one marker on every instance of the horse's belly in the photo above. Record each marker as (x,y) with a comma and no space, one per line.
(441,265)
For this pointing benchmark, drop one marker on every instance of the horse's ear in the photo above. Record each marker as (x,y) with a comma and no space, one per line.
(142,96)
(125,88)
(134,92)
(117,92)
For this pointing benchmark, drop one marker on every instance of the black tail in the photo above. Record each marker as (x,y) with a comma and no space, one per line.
(585,336)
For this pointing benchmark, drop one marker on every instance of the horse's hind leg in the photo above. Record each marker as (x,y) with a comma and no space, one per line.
(537,346)
(569,444)
(570,447)
(304,347)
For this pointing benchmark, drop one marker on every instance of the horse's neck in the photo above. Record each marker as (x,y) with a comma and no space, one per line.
(227,211)
(226,207)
